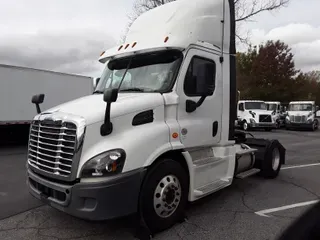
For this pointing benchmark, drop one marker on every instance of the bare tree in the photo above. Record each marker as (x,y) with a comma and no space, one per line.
(245,10)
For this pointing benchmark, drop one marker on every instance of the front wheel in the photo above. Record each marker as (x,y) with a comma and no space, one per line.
(245,126)
(315,125)
(164,195)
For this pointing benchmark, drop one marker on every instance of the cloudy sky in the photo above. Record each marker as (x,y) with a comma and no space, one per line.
(69,35)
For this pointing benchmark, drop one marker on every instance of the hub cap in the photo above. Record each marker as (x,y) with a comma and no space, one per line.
(245,126)
(167,196)
(275,159)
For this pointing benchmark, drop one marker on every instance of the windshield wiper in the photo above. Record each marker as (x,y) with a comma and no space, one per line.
(98,91)
(134,90)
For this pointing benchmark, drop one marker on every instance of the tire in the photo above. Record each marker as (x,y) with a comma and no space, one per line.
(270,166)
(245,126)
(315,125)
(153,195)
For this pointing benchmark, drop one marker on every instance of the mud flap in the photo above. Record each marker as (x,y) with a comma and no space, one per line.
(264,146)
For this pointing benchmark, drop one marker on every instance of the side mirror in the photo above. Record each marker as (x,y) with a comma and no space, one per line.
(205,79)
(110,95)
(37,100)
(95,82)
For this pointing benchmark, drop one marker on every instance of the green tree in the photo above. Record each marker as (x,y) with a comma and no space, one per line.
(267,72)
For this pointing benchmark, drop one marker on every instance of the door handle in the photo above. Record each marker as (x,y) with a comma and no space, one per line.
(214,128)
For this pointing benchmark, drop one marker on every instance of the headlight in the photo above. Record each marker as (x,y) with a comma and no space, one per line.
(252,120)
(105,164)
(287,118)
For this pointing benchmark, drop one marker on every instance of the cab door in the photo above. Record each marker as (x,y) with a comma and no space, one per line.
(201,127)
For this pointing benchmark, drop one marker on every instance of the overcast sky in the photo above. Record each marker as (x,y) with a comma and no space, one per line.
(69,35)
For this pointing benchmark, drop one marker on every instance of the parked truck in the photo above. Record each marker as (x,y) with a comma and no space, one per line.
(161,136)
(254,114)
(17,84)
(277,112)
(302,114)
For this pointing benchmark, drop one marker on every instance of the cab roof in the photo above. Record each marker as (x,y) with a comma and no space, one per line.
(270,102)
(302,102)
(177,25)
(243,101)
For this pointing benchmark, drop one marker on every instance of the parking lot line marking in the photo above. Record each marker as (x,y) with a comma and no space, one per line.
(263,213)
(301,166)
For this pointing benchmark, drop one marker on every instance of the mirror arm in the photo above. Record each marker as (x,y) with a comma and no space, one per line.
(107,127)
(38,108)
(191,105)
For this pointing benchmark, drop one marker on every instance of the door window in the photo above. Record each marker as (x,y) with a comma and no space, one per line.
(195,80)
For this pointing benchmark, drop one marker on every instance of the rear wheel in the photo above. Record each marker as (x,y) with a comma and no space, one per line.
(271,164)
(164,195)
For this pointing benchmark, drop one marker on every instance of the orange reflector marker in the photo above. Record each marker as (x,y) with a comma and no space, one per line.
(134,44)
(120,47)
(127,46)
(166,39)
(102,53)
(175,135)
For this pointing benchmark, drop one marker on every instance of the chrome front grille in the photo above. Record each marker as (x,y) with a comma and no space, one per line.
(52,146)
(298,119)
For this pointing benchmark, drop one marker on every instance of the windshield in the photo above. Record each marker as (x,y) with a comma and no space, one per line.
(300,107)
(271,106)
(255,105)
(154,72)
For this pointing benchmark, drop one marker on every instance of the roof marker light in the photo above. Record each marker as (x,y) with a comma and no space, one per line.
(120,47)
(166,39)
(102,53)
(127,46)
(134,44)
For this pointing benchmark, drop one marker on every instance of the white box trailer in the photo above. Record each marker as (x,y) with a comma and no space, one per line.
(18,84)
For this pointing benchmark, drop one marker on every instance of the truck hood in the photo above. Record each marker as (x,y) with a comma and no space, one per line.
(260,111)
(299,113)
(92,107)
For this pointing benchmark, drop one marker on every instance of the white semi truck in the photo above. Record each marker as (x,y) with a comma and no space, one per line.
(17,84)
(254,114)
(276,111)
(163,135)
(302,114)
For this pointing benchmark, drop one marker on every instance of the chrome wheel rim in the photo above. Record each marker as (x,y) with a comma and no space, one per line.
(167,196)
(275,159)
(245,126)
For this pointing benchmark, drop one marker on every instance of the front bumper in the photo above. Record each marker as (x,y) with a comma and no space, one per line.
(299,125)
(262,125)
(109,199)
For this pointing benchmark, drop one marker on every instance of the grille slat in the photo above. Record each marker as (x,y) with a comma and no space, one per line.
(52,146)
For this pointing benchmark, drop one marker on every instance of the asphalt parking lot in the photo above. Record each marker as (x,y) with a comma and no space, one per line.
(253,208)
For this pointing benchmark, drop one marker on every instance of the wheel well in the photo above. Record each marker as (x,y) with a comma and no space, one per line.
(175,155)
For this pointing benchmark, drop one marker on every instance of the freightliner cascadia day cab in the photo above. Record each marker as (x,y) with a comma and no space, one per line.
(254,114)
(302,114)
(163,135)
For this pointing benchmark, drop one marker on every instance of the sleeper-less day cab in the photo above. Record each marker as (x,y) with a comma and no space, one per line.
(160,134)
(302,114)
(254,114)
